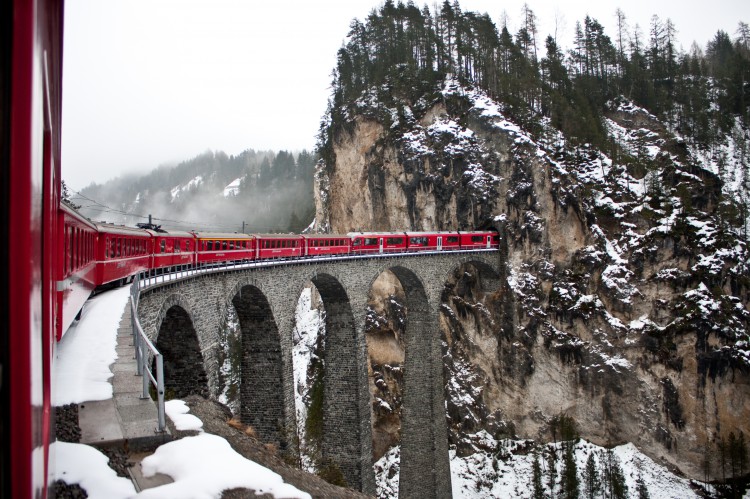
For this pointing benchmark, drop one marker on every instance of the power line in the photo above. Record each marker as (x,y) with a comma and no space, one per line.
(103,208)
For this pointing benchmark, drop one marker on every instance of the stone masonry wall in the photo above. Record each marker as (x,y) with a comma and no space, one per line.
(344,286)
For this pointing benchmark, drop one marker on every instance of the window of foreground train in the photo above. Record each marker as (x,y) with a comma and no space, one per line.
(370,241)
(452,239)
(477,239)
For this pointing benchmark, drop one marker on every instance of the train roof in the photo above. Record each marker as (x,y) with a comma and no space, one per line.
(123,230)
(222,235)
(407,233)
(69,210)
(278,236)
(384,234)
(171,233)
(324,236)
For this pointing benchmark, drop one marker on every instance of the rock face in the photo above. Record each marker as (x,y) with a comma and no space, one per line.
(625,296)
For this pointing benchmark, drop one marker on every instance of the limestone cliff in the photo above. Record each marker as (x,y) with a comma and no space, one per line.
(625,296)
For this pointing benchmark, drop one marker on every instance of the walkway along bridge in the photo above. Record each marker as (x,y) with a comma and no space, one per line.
(182,314)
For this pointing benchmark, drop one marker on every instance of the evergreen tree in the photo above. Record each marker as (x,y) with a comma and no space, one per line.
(570,482)
(552,472)
(591,483)
(536,477)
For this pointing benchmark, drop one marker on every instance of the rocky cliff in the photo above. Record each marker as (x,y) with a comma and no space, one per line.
(624,302)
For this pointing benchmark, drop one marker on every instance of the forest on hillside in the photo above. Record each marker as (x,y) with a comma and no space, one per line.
(699,93)
(267,191)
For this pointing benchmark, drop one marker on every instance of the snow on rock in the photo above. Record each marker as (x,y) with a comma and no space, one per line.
(178,190)
(309,325)
(177,410)
(86,466)
(205,465)
(387,471)
(233,188)
(508,471)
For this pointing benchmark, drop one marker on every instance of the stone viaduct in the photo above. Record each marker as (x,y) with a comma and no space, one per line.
(183,317)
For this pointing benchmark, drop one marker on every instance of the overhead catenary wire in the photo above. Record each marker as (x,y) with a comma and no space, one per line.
(168,223)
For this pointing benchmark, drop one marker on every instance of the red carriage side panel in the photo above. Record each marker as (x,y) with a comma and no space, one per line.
(121,252)
(76,265)
(31,34)
(377,242)
(271,246)
(327,244)
(224,247)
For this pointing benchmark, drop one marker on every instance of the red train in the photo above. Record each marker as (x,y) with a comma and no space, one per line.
(99,254)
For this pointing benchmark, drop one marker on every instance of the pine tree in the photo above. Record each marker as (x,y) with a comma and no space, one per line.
(552,471)
(591,483)
(536,477)
(570,482)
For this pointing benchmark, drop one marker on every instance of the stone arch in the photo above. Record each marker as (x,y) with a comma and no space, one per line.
(424,466)
(262,379)
(179,344)
(345,421)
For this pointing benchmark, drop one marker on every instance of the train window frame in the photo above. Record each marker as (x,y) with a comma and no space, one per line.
(394,240)
(477,239)
(418,241)
(163,245)
(371,241)
(451,239)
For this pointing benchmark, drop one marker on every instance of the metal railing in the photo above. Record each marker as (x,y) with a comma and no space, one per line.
(142,347)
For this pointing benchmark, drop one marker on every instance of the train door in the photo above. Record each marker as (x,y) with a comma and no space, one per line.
(380,244)
(440,243)
(489,242)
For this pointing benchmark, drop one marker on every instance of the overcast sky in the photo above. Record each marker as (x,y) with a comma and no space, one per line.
(154,82)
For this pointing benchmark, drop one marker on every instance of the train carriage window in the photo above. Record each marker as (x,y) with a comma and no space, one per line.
(187,245)
(395,240)
(476,239)
(210,245)
(418,241)
(72,247)
(371,241)
(452,239)
(224,245)
(356,242)
(163,245)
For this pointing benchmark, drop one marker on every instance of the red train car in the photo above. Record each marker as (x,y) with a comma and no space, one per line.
(377,242)
(327,244)
(216,247)
(77,266)
(279,246)
(432,241)
(122,252)
(30,118)
(171,249)
(480,239)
